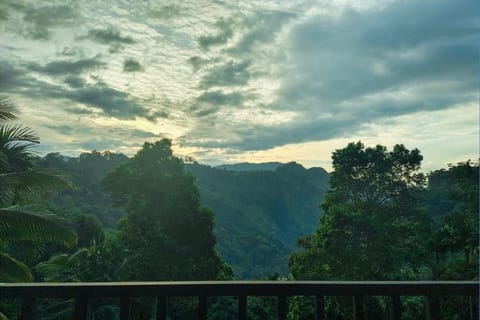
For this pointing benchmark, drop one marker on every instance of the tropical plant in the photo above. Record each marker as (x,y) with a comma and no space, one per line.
(21,223)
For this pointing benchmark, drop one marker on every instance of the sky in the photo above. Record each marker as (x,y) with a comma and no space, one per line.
(246,81)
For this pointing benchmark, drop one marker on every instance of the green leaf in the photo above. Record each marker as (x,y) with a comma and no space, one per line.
(18,224)
(14,270)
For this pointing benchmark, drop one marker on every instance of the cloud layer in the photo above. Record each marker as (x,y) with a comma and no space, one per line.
(226,81)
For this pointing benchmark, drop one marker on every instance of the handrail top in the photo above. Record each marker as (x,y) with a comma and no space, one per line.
(240,283)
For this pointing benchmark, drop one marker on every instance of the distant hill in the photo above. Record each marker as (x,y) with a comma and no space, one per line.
(260,211)
(247,166)
(260,214)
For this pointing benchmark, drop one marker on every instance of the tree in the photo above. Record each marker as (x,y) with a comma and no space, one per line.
(372,228)
(165,232)
(455,242)
(20,181)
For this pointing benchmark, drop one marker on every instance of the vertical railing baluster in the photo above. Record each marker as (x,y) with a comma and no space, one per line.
(28,308)
(202,308)
(161,308)
(433,307)
(124,307)
(358,313)
(282,307)
(319,307)
(474,307)
(242,308)
(81,307)
(396,312)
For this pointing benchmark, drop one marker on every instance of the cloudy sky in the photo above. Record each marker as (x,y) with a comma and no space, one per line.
(251,80)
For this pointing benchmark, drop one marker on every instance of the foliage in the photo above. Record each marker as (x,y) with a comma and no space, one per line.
(165,232)
(21,182)
(372,228)
(259,213)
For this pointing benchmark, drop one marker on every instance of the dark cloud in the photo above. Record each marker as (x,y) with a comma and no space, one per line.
(75,81)
(63,67)
(111,102)
(109,36)
(229,74)
(343,73)
(222,99)
(71,51)
(224,34)
(132,65)
(198,62)
(41,20)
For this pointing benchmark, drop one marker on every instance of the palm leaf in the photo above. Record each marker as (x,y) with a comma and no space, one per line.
(17,185)
(6,109)
(17,224)
(17,133)
(14,270)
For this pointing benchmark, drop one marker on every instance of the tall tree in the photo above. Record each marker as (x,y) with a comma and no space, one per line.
(371,228)
(20,180)
(165,232)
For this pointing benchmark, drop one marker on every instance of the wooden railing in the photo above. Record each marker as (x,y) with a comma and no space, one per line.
(82,292)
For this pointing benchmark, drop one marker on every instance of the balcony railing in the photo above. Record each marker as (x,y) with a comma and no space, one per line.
(83,292)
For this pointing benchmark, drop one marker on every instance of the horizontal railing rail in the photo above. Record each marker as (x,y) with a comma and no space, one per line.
(82,292)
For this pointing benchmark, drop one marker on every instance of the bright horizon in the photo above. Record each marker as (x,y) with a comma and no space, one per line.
(248,82)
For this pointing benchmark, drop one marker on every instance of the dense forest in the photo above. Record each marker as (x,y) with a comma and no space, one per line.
(104,216)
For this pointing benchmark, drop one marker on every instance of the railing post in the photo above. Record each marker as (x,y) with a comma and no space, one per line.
(242,308)
(358,313)
(282,307)
(124,307)
(28,308)
(161,313)
(396,310)
(202,308)
(433,307)
(81,308)
(319,307)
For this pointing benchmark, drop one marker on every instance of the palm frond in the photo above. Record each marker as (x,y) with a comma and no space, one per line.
(17,133)
(6,109)
(13,270)
(21,184)
(17,224)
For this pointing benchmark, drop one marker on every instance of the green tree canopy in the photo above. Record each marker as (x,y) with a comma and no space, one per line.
(371,228)
(165,232)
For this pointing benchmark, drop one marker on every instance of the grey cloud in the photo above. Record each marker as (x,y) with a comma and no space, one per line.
(224,34)
(75,81)
(198,62)
(71,51)
(42,19)
(131,65)
(165,12)
(113,103)
(109,36)
(229,74)
(262,28)
(220,98)
(67,67)
(361,68)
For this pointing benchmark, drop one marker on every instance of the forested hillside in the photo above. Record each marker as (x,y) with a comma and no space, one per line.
(259,213)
